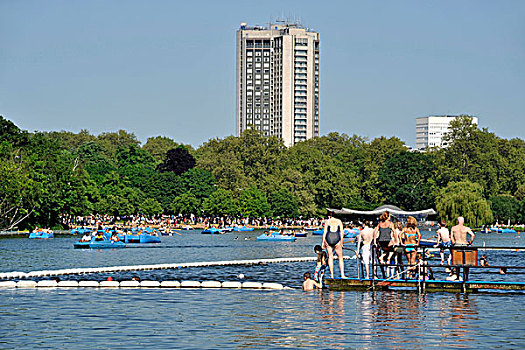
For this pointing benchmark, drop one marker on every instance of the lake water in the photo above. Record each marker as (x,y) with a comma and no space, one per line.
(86,318)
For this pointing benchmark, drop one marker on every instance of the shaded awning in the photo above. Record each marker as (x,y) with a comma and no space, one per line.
(393,210)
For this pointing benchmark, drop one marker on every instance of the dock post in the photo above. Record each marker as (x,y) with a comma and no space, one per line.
(424,269)
(359,265)
(373,269)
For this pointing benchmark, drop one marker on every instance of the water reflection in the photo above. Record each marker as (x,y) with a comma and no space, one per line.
(332,312)
(238,318)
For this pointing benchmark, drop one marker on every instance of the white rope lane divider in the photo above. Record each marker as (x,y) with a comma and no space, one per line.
(25,283)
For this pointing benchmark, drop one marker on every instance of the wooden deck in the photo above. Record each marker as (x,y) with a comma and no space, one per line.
(421,286)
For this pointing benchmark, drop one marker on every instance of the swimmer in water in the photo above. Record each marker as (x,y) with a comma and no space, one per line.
(309,283)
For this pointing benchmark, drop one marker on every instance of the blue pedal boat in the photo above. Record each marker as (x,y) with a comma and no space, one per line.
(275,237)
(212,230)
(105,244)
(243,228)
(317,232)
(41,234)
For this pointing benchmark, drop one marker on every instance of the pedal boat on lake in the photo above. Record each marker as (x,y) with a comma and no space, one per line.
(104,244)
(213,230)
(243,228)
(81,230)
(147,235)
(301,234)
(275,237)
(41,234)
(502,230)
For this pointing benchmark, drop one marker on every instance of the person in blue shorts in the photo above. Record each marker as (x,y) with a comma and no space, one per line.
(443,241)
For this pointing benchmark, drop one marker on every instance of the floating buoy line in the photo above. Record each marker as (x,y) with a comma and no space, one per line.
(26,282)
(141,284)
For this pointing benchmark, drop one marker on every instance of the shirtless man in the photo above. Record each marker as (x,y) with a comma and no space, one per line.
(459,239)
(459,234)
(443,241)
(309,283)
(364,242)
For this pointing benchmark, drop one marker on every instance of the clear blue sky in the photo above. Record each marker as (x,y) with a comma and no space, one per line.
(168,68)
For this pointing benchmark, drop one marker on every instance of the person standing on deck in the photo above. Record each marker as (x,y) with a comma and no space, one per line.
(411,238)
(459,234)
(383,235)
(443,241)
(459,239)
(333,241)
(364,242)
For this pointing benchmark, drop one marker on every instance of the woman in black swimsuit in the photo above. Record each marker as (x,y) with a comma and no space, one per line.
(333,241)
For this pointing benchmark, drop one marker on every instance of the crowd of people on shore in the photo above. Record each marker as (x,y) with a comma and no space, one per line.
(388,242)
(180,220)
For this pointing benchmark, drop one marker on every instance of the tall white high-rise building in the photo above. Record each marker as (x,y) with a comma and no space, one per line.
(430,130)
(278,81)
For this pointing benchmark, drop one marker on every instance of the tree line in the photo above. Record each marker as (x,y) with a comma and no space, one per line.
(48,174)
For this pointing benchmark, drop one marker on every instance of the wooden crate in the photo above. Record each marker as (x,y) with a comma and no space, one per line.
(465,256)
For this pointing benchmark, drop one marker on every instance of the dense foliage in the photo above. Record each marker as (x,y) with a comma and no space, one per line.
(479,176)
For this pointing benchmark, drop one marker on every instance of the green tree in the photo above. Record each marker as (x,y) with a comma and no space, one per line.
(178,160)
(18,192)
(199,182)
(111,141)
(115,205)
(505,208)
(471,155)
(323,176)
(63,182)
(159,146)
(241,162)
(71,141)
(522,211)
(377,152)
(520,192)
(150,207)
(186,204)
(464,199)
(220,202)
(93,159)
(117,197)
(164,188)
(132,155)
(407,180)
(283,204)
(253,203)
(11,133)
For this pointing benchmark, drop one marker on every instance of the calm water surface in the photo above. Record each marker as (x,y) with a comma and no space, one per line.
(86,318)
